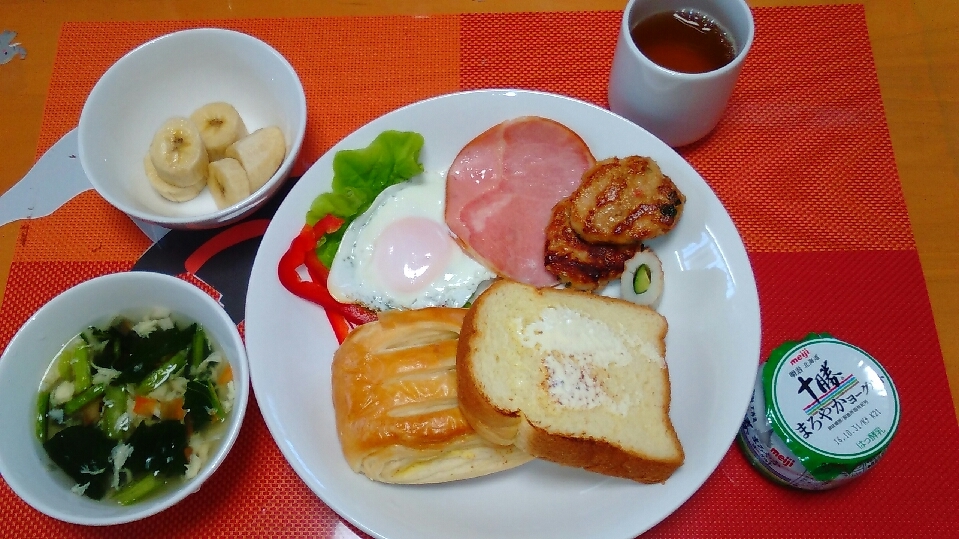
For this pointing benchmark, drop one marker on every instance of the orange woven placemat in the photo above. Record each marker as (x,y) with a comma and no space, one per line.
(802,161)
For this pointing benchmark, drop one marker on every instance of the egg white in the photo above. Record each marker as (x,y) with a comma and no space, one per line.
(354,278)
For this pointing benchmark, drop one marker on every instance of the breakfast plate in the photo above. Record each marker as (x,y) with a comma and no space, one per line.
(710,302)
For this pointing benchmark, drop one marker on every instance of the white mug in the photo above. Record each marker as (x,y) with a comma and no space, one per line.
(679,108)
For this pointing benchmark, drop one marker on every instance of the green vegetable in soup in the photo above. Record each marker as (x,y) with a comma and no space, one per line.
(199,349)
(202,403)
(84,398)
(118,405)
(359,176)
(113,420)
(81,369)
(137,490)
(163,373)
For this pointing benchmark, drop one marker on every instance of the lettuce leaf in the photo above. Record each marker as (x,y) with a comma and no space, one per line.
(359,176)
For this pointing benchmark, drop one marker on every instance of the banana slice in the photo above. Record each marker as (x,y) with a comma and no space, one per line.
(228,182)
(169,191)
(178,154)
(260,153)
(220,125)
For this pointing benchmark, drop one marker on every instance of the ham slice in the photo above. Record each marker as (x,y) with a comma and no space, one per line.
(501,189)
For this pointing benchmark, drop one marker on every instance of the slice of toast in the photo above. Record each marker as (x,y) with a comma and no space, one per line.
(570,377)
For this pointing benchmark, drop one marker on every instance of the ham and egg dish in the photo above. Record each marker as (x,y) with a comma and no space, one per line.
(524,201)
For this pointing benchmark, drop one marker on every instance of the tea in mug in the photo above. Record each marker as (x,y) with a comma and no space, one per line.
(686,40)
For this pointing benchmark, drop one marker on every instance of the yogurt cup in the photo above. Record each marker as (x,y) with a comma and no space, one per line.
(823,412)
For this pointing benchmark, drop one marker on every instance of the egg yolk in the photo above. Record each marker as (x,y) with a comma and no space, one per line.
(411,253)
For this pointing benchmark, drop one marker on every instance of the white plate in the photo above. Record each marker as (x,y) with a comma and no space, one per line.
(710,301)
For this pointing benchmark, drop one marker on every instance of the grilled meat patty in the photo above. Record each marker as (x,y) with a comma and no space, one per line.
(584,266)
(624,201)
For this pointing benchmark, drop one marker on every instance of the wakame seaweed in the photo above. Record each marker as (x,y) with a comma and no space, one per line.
(135,356)
(83,452)
(160,447)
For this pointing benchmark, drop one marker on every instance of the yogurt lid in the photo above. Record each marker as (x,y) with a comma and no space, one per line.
(832,404)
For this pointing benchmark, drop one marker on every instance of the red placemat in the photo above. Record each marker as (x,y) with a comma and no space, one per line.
(802,160)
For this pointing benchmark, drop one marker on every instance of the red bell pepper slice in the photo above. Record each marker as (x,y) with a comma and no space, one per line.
(302,252)
(327,225)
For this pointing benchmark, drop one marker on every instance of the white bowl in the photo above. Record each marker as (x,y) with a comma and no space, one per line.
(24,464)
(173,75)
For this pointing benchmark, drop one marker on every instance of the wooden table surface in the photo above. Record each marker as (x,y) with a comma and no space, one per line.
(914,43)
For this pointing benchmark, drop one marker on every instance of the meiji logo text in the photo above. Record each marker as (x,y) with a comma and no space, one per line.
(803,354)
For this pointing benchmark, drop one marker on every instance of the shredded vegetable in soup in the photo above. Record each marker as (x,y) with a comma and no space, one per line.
(128,408)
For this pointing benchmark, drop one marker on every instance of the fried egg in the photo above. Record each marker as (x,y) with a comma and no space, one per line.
(399,254)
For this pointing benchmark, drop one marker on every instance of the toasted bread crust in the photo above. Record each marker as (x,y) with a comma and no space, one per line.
(506,427)
(496,425)
(595,455)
